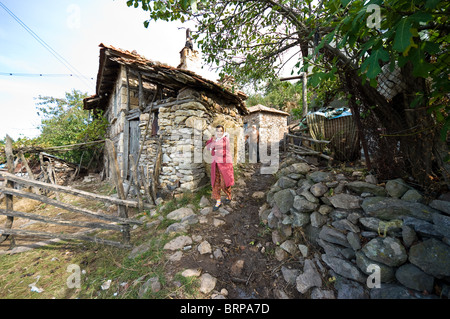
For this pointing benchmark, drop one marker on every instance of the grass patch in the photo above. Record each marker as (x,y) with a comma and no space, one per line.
(48,267)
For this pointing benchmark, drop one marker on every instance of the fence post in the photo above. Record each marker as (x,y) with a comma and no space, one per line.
(115,173)
(9,198)
(136,181)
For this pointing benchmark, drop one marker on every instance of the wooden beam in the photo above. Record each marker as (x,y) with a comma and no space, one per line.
(24,162)
(306,151)
(56,148)
(74,145)
(32,233)
(117,178)
(111,150)
(144,179)
(141,92)
(309,139)
(52,175)
(60,221)
(68,207)
(304,94)
(9,198)
(72,191)
(295,77)
(156,169)
(41,160)
(136,181)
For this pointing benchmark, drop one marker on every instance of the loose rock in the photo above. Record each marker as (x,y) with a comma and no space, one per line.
(441,205)
(302,205)
(363,187)
(178,243)
(309,278)
(333,236)
(432,256)
(289,246)
(284,199)
(318,189)
(237,267)
(180,213)
(192,272)
(204,248)
(412,277)
(388,251)
(207,283)
(345,201)
(396,188)
(344,268)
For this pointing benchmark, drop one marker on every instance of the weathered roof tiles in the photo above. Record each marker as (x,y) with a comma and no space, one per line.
(162,74)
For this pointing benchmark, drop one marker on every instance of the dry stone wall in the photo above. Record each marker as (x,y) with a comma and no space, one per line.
(379,241)
(184,128)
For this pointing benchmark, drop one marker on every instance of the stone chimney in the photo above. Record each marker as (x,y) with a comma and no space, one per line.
(189,58)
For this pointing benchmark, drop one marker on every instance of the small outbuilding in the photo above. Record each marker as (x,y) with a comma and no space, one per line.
(272,123)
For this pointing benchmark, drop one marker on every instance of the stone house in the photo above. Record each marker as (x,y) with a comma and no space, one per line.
(272,123)
(163,116)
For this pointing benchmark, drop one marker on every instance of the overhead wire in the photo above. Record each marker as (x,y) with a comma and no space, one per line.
(45,75)
(61,59)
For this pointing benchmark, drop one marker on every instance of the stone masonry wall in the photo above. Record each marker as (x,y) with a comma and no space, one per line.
(271,126)
(184,128)
(363,232)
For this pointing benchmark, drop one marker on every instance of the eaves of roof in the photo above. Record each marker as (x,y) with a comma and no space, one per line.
(262,108)
(112,58)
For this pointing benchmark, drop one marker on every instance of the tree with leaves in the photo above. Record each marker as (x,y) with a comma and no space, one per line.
(63,122)
(347,40)
(283,96)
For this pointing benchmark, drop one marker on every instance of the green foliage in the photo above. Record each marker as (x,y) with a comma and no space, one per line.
(64,122)
(414,32)
(246,38)
(20,143)
(278,95)
(371,65)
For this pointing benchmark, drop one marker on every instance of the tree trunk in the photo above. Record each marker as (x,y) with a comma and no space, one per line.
(418,144)
(407,135)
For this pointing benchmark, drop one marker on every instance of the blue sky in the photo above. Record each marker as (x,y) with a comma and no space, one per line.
(73,29)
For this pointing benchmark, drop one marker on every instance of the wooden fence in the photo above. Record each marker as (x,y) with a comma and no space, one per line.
(297,144)
(40,191)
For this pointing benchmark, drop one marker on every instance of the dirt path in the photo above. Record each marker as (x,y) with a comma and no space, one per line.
(248,268)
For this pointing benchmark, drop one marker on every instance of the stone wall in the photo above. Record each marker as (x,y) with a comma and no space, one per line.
(271,126)
(185,124)
(362,232)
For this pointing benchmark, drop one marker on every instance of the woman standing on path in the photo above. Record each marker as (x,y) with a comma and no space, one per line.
(222,172)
